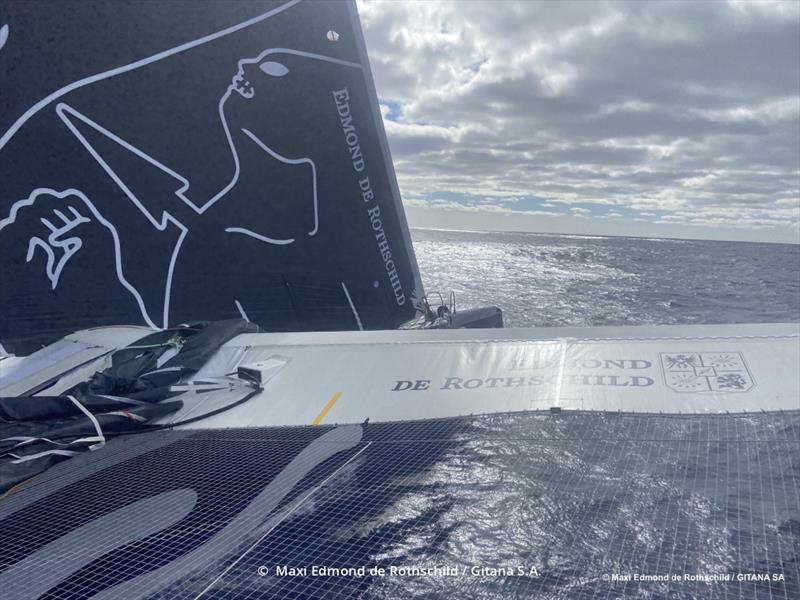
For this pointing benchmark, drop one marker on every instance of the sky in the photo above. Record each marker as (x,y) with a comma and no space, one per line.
(668,119)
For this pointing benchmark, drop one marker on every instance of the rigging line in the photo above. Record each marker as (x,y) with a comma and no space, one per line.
(241,310)
(352,307)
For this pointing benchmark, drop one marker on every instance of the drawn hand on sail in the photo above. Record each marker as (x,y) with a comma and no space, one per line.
(58,224)
(57,243)
(61,225)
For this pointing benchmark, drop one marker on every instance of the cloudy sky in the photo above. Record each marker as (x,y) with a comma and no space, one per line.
(676,119)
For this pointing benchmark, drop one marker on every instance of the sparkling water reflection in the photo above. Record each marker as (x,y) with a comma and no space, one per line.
(550,280)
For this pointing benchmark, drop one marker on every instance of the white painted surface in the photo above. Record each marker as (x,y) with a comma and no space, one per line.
(480,371)
(346,377)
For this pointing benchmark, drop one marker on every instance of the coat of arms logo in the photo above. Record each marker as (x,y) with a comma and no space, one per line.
(692,372)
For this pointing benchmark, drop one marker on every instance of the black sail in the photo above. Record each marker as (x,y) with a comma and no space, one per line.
(167,162)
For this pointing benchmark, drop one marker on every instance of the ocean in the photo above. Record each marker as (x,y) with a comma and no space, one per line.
(548,280)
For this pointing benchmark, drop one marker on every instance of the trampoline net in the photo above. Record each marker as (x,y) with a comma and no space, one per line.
(569,505)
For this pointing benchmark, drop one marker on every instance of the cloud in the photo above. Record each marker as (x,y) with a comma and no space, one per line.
(646,108)
(580,212)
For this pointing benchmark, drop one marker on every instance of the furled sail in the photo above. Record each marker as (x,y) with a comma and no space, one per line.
(164,164)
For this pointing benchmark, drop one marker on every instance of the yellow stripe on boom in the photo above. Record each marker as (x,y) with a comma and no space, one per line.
(327,408)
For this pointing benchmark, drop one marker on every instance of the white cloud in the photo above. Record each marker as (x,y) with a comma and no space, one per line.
(662,107)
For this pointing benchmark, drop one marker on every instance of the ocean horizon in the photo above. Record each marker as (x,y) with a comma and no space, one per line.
(556,280)
(601,236)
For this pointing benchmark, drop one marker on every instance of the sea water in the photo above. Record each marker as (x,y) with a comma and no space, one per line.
(547,280)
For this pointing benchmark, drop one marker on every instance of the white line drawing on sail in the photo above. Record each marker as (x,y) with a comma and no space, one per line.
(289,161)
(70,245)
(102,220)
(66,113)
(243,87)
(166,218)
(239,84)
(26,116)
(258,236)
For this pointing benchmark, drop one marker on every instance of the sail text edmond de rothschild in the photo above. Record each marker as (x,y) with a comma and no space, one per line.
(342,97)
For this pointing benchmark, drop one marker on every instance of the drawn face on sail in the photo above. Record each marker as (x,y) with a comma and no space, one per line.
(263,101)
(250,73)
(286,133)
(284,98)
